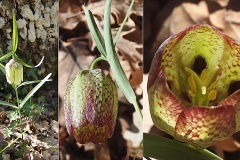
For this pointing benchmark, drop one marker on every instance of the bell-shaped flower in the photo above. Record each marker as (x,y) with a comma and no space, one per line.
(14,72)
(90,106)
(194,86)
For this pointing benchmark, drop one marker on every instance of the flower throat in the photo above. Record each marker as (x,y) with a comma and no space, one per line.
(202,88)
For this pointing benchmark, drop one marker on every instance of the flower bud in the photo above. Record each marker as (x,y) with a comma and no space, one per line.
(14,72)
(90,106)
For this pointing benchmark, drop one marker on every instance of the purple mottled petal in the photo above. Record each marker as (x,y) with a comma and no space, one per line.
(165,106)
(100,98)
(74,102)
(68,108)
(203,126)
(234,100)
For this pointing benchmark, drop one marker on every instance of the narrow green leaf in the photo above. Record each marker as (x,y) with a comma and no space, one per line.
(25,64)
(15,33)
(96,34)
(2,68)
(123,23)
(14,38)
(12,142)
(112,58)
(6,56)
(163,148)
(8,104)
(30,82)
(30,94)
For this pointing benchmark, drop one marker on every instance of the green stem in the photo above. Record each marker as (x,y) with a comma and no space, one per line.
(15,33)
(2,68)
(12,142)
(106,46)
(139,146)
(112,58)
(115,65)
(138,111)
(18,104)
(96,61)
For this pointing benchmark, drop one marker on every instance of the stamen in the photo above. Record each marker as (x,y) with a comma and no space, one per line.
(212,95)
(192,83)
(195,76)
(203,75)
(212,86)
(191,93)
(202,88)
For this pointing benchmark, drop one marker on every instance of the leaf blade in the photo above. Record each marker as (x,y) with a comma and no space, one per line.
(30,94)
(95,32)
(163,148)
(8,104)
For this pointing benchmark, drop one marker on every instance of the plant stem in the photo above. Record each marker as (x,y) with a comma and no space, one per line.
(18,105)
(12,142)
(138,111)
(115,65)
(96,61)
(139,146)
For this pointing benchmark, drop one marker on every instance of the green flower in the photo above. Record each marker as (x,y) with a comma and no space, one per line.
(90,106)
(14,72)
(194,86)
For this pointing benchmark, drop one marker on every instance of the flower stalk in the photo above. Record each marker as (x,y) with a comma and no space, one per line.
(106,46)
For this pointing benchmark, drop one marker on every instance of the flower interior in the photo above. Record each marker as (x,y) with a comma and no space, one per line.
(201,66)
(193,86)
(202,88)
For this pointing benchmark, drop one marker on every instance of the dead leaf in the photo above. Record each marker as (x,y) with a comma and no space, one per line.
(232,16)
(236,30)
(54,126)
(136,78)
(222,3)
(198,13)
(217,18)
(43,125)
(134,138)
(229,145)
(30,155)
